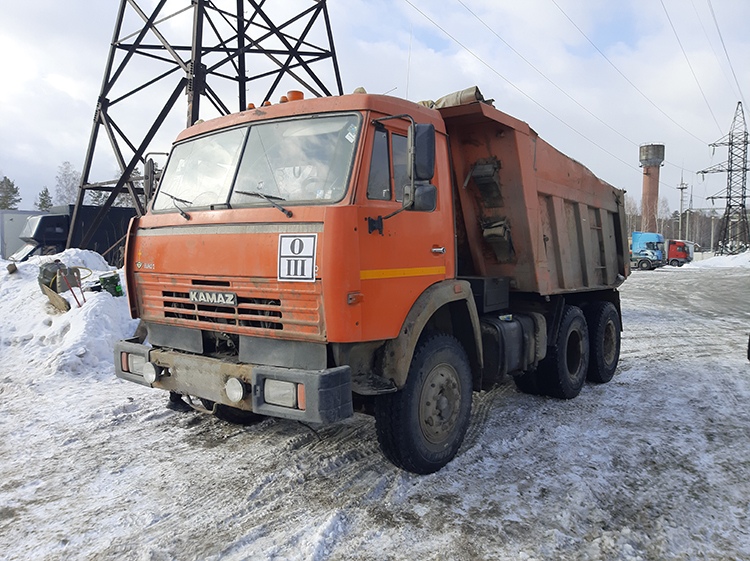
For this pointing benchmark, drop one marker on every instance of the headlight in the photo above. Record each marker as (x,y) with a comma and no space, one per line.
(151,372)
(235,390)
(277,392)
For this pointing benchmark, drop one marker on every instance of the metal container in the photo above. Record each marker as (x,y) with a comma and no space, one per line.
(111,283)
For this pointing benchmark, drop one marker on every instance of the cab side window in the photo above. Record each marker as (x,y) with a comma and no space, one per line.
(379,182)
(400,158)
(389,149)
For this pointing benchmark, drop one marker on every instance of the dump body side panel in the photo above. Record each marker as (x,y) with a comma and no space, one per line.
(529,212)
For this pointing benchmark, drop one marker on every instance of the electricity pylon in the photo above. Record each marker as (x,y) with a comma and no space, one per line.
(734,234)
(210,50)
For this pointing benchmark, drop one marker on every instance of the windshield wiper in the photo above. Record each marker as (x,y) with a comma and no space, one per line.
(269,198)
(176,200)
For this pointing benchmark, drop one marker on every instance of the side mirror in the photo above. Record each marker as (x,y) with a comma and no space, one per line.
(149,179)
(421,139)
(425,197)
(420,195)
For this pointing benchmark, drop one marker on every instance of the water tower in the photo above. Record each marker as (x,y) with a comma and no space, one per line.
(651,157)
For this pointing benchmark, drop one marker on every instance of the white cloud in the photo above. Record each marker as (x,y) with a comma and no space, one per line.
(19,67)
(58,53)
(70,86)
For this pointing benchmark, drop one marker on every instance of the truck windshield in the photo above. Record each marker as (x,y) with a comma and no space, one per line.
(298,160)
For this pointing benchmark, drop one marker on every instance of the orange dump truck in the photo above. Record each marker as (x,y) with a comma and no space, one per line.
(313,258)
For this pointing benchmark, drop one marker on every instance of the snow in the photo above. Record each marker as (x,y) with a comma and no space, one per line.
(653,465)
(740,260)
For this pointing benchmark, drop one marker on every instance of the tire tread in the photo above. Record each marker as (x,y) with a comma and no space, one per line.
(597,316)
(392,417)
(550,367)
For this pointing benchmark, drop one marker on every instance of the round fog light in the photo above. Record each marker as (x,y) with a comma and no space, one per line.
(151,372)
(235,390)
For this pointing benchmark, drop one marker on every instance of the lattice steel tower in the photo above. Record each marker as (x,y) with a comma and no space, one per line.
(214,50)
(734,234)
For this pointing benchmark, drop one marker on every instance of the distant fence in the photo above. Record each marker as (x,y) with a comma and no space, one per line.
(701,255)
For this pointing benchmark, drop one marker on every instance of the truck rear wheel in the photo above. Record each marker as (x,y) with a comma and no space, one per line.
(420,428)
(604,341)
(564,369)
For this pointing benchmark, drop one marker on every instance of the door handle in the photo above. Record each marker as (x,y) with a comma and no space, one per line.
(438,250)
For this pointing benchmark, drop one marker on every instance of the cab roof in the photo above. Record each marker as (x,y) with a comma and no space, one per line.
(382,104)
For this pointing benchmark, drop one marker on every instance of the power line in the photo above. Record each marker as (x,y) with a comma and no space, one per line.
(527,96)
(735,231)
(543,75)
(716,23)
(697,82)
(480,20)
(625,77)
(710,43)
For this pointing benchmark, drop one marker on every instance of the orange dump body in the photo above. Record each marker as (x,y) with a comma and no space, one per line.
(527,211)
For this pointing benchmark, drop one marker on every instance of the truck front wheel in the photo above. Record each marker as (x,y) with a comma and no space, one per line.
(644,265)
(564,369)
(604,341)
(420,428)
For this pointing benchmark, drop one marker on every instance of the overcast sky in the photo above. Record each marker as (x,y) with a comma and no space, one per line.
(595,78)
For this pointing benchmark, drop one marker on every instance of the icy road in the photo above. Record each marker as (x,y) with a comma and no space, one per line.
(653,465)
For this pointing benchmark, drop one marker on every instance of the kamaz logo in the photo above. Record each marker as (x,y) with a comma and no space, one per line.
(218,298)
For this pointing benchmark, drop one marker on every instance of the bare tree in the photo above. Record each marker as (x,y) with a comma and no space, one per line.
(663,215)
(632,214)
(67,183)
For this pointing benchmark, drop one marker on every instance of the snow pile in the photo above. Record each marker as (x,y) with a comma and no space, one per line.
(723,261)
(78,342)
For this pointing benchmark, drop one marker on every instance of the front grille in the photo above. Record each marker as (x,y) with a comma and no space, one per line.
(257,312)
(263,305)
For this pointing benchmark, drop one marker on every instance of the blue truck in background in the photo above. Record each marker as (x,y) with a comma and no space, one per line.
(647,250)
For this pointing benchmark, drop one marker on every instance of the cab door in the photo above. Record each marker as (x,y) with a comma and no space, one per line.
(402,252)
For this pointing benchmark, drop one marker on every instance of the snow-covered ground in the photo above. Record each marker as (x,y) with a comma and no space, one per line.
(653,465)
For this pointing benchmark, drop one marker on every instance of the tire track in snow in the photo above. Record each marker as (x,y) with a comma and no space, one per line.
(340,469)
(484,405)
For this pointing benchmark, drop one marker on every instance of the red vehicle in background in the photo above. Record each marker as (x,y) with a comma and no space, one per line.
(678,252)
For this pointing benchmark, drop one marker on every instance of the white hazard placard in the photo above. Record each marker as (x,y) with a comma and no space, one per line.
(297,257)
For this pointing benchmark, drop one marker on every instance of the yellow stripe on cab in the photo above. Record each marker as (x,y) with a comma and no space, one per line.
(397,273)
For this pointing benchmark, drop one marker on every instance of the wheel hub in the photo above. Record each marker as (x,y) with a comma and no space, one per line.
(439,403)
